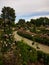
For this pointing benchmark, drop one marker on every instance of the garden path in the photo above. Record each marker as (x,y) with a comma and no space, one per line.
(42,47)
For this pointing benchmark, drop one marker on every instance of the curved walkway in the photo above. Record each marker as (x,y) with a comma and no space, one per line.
(42,47)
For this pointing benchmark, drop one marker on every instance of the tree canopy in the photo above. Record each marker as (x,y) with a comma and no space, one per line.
(8,13)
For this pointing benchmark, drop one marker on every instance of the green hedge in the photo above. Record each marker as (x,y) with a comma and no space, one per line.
(42,40)
(44,57)
(30,54)
(35,38)
(1,61)
(27,53)
(25,35)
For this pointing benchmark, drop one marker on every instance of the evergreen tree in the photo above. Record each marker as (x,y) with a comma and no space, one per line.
(8,16)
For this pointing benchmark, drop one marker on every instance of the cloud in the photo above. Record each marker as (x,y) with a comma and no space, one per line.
(33,15)
(27,7)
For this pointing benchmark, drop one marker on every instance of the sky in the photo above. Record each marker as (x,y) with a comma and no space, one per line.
(27,9)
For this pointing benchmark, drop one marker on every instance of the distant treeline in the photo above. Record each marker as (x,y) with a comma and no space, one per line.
(38,22)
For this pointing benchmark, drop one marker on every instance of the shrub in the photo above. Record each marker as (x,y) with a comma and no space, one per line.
(35,38)
(28,53)
(44,56)
(25,35)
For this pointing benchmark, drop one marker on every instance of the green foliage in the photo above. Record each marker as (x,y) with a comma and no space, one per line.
(40,21)
(37,38)
(8,13)
(30,54)
(8,16)
(21,23)
(42,40)
(45,57)
(26,35)
(27,53)
(1,61)
(33,30)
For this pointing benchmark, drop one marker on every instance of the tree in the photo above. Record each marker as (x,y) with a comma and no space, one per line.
(8,13)
(1,21)
(28,24)
(34,29)
(8,16)
(21,22)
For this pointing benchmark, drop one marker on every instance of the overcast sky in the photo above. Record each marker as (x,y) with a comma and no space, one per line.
(27,9)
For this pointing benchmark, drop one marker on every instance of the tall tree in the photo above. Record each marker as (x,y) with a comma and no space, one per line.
(8,16)
(8,13)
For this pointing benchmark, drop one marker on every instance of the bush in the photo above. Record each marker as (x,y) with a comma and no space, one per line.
(25,35)
(1,61)
(28,53)
(45,57)
(36,38)
(42,40)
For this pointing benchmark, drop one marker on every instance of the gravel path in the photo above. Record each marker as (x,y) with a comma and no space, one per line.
(42,47)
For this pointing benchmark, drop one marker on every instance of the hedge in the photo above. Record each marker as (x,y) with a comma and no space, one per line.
(35,38)
(30,54)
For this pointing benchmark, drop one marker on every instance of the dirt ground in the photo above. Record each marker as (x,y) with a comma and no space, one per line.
(42,47)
